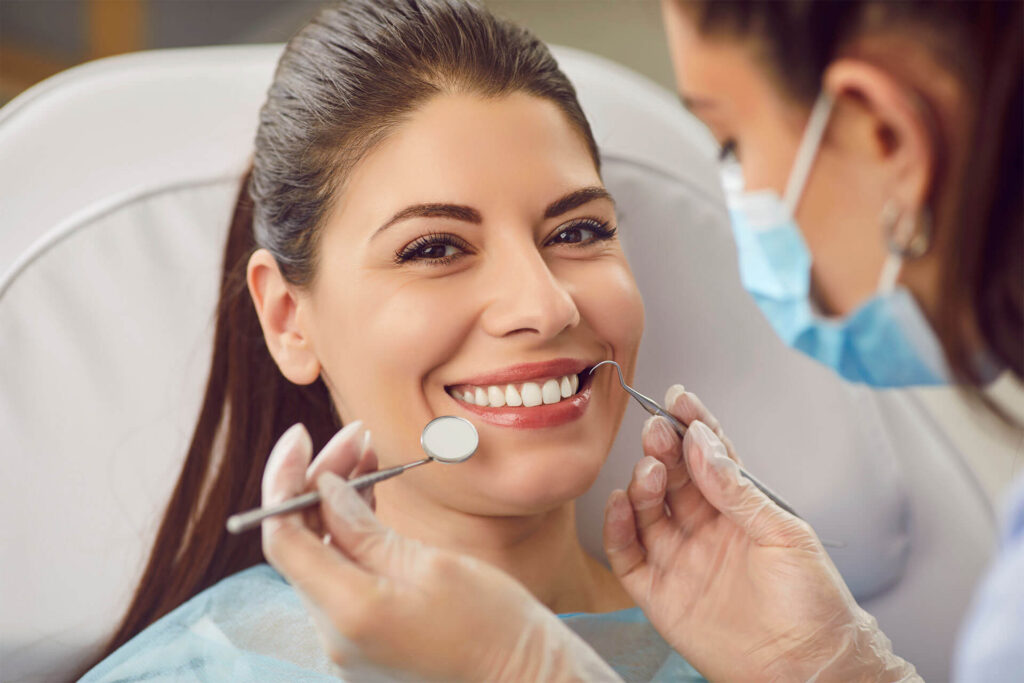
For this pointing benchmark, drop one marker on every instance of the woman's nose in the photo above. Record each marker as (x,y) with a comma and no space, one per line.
(523,295)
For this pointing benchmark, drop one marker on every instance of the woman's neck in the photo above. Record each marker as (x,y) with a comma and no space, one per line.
(541,551)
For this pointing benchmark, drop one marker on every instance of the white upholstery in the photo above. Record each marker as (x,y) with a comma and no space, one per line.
(117,180)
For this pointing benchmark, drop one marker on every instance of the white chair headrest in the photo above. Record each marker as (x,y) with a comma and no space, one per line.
(123,174)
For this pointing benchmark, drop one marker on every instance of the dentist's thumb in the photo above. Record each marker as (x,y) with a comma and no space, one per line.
(355,530)
(722,484)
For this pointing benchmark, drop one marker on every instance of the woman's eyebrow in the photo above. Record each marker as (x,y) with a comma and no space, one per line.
(456,211)
(575,199)
(470,215)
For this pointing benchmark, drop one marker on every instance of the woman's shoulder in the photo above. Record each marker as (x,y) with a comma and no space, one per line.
(249,626)
(630,644)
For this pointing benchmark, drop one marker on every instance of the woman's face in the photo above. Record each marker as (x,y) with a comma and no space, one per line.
(469,254)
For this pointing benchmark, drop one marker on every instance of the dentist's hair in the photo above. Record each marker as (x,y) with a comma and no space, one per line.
(345,81)
(979,43)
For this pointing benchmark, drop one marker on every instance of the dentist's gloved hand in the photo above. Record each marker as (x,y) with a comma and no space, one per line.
(739,587)
(388,607)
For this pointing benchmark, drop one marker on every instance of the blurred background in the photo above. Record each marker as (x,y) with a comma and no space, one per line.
(39,38)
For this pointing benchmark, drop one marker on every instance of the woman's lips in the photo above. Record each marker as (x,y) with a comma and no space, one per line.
(545,415)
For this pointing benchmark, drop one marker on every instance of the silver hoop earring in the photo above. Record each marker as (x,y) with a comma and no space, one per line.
(907,234)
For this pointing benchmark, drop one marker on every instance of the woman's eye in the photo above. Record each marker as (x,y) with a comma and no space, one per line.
(583,232)
(433,249)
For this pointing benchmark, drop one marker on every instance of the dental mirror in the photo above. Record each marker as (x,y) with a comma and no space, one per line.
(448,439)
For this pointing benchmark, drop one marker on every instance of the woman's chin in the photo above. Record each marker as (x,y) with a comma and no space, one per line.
(528,491)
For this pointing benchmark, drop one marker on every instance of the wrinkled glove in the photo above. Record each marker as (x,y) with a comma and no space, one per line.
(739,587)
(388,607)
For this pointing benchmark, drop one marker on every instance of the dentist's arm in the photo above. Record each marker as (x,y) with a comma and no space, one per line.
(739,587)
(384,604)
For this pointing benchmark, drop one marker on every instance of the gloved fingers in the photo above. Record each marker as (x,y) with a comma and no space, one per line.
(357,532)
(341,454)
(288,544)
(719,480)
(322,576)
(367,463)
(688,407)
(285,473)
(347,454)
(659,440)
(646,492)
(622,545)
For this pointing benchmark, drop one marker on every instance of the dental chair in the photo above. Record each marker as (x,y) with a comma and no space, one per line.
(117,181)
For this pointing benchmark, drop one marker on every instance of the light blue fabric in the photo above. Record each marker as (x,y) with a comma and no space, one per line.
(887,342)
(252,627)
(991,646)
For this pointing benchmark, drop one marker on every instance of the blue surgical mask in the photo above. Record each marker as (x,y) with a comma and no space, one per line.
(887,342)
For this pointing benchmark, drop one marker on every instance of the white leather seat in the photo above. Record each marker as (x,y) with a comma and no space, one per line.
(117,179)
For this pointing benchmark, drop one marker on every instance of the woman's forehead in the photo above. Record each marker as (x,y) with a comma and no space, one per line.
(515,150)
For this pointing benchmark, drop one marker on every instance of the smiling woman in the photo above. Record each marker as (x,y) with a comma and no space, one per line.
(424,231)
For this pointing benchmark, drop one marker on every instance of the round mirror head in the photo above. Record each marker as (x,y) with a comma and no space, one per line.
(449,439)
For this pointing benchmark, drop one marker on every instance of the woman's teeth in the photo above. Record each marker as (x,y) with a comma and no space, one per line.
(527,394)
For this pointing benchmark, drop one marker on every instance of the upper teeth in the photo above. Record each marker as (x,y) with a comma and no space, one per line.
(527,394)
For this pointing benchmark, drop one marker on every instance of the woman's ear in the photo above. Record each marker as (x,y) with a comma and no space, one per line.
(279,311)
(890,124)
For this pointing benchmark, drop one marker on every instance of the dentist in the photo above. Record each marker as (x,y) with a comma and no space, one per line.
(873,163)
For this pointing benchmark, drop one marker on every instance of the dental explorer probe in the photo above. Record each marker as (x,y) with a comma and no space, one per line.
(447,439)
(652,407)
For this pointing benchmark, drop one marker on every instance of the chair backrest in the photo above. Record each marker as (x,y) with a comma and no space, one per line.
(118,179)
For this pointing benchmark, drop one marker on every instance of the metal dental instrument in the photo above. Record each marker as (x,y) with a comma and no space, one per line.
(652,407)
(447,439)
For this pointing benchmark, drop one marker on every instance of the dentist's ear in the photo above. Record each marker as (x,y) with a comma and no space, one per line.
(889,126)
(279,311)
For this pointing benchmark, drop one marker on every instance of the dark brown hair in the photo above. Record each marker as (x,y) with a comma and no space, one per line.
(980,43)
(348,78)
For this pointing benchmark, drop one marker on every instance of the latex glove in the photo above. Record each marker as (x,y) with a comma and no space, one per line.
(388,607)
(739,587)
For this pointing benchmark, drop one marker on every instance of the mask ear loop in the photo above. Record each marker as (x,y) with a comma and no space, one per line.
(808,150)
(908,235)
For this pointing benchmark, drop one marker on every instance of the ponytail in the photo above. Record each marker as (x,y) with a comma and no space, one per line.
(251,404)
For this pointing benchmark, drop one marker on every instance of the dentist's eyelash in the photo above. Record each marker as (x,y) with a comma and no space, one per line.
(727,151)
(601,230)
(416,250)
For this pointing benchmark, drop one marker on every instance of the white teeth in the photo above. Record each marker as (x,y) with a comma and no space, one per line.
(549,392)
(531,394)
(495,397)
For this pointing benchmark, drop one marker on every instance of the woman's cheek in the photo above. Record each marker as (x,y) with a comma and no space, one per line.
(385,342)
(614,308)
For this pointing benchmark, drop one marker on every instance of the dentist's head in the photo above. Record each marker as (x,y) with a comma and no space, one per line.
(424,231)
(906,187)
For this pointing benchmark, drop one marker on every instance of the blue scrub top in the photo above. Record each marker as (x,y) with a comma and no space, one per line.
(991,647)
